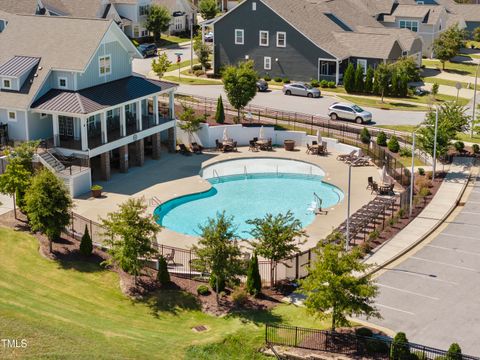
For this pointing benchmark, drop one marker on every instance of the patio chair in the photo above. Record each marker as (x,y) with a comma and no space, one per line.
(197,149)
(343,157)
(325,147)
(370,182)
(255,139)
(234,146)
(252,146)
(269,145)
(375,188)
(314,142)
(170,258)
(183,149)
(360,161)
(218,145)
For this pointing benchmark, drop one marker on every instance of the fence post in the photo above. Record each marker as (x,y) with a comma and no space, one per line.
(297,273)
(91,228)
(296,336)
(73,227)
(190,263)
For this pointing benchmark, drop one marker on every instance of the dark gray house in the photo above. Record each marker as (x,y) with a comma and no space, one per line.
(305,40)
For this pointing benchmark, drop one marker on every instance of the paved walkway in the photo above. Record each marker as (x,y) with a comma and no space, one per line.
(431,217)
(6,204)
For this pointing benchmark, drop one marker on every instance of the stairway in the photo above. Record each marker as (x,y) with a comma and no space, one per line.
(51,161)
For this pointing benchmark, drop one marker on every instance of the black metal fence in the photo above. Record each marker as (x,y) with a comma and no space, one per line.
(376,347)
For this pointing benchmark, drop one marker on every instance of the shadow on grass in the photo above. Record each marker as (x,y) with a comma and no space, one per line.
(75,261)
(256,316)
(171,301)
(406,105)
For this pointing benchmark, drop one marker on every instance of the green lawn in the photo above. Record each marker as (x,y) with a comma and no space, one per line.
(183,64)
(76,310)
(467,138)
(168,40)
(432,79)
(376,103)
(407,128)
(453,67)
(191,81)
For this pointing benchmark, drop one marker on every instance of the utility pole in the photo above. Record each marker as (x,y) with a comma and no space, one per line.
(191,42)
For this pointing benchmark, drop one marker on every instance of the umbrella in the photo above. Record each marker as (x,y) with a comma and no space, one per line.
(225,134)
(261,134)
(319,137)
(384,178)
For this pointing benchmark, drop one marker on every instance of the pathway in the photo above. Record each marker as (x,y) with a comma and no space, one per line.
(6,204)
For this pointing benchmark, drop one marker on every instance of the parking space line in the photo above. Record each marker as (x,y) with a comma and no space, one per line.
(394,309)
(452,249)
(443,263)
(460,236)
(424,276)
(408,292)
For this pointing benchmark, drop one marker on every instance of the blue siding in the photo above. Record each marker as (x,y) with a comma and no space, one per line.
(39,128)
(62,74)
(48,84)
(16,129)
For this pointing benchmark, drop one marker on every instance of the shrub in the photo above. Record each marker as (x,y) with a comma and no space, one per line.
(401,212)
(267,78)
(239,296)
(364,331)
(163,277)
(393,144)
(373,235)
(369,80)
(323,83)
(459,146)
(435,89)
(349,78)
(376,347)
(399,349)
(382,139)
(286,81)
(86,246)
(429,175)
(424,191)
(197,67)
(96,187)
(254,281)
(208,66)
(277,79)
(332,85)
(220,113)
(423,182)
(203,290)
(421,171)
(475,148)
(213,283)
(199,73)
(365,136)
(315,83)
(454,352)
(405,152)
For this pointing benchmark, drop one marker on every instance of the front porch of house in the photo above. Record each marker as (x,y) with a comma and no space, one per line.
(330,70)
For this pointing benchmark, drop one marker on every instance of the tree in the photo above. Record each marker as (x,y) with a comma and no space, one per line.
(277,237)
(218,253)
(452,118)
(408,67)
(369,80)
(130,234)
(399,349)
(86,246)
(393,144)
(434,91)
(449,43)
(220,113)
(382,78)
(163,277)
(476,34)
(48,205)
(332,288)
(240,84)
(208,9)
(402,87)
(394,83)
(349,78)
(158,20)
(359,84)
(454,351)
(202,51)
(160,65)
(191,123)
(254,281)
(382,139)
(365,136)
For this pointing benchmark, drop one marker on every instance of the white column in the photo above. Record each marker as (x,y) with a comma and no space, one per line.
(155,109)
(103,126)
(56,131)
(84,132)
(172,104)
(27,130)
(337,73)
(123,125)
(139,115)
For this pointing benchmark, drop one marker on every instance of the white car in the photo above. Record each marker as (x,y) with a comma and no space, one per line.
(209,37)
(351,112)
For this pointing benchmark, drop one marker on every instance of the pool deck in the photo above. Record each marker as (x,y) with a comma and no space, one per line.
(176,175)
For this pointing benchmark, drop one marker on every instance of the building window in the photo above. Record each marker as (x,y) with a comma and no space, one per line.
(136,32)
(12,116)
(62,82)
(105,65)
(65,125)
(408,24)
(281,39)
(404,53)
(7,84)
(143,10)
(363,64)
(267,63)
(239,36)
(144,33)
(254,6)
(263,38)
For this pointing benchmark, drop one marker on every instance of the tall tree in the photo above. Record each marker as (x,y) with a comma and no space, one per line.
(369,80)
(208,9)
(359,83)
(254,281)
(382,78)
(86,246)
(349,78)
(130,234)
(202,51)
(240,84)
(220,113)
(158,20)
(217,251)
(160,65)
(276,238)
(48,205)
(191,123)
(449,43)
(332,288)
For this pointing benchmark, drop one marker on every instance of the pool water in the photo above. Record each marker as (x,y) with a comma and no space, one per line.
(248,197)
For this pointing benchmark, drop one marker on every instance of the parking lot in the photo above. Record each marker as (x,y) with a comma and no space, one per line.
(434,296)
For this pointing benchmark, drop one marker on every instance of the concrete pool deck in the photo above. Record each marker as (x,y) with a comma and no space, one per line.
(177,175)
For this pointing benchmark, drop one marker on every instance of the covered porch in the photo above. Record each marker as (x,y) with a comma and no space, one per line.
(329,70)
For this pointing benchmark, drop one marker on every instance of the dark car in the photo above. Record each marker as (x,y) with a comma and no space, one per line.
(147,50)
(262,85)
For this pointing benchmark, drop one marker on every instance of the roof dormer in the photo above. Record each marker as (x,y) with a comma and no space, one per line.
(15,71)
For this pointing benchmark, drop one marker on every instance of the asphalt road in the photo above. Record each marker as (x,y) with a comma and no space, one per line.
(143,66)
(434,296)
(275,99)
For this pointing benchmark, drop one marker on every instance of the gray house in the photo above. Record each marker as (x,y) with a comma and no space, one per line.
(305,40)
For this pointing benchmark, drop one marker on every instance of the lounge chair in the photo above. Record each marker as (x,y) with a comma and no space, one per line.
(361,161)
(252,146)
(344,157)
(197,149)
(375,188)
(370,182)
(312,150)
(183,149)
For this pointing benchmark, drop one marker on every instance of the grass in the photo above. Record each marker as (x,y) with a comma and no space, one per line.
(376,103)
(466,137)
(191,81)
(406,128)
(168,40)
(439,81)
(76,310)
(407,161)
(452,67)
(183,64)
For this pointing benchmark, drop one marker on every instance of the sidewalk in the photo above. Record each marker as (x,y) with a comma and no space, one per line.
(6,204)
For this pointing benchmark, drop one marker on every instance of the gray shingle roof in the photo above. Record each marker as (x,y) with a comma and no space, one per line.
(19,6)
(18,65)
(100,97)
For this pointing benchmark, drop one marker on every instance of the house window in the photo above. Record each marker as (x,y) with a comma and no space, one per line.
(281,39)
(143,10)
(144,33)
(267,63)
(363,64)
(254,6)
(65,125)
(263,38)
(404,53)
(105,65)
(136,32)
(239,36)
(408,24)
(91,123)
(62,82)
(12,116)
(7,84)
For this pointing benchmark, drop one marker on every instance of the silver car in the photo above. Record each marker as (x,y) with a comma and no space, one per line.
(349,112)
(301,89)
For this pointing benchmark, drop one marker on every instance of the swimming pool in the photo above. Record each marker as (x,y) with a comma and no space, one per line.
(249,195)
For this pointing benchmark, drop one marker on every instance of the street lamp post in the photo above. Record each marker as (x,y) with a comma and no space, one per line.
(412,175)
(435,144)
(474,100)
(191,42)
(348,206)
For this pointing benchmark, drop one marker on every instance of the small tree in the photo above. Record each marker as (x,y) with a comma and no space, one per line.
(402,87)
(130,233)
(454,351)
(399,349)
(48,205)
(86,246)
(158,20)
(332,288)
(202,51)
(365,136)
(448,44)
(240,84)
(382,78)
(254,281)
(349,78)
(220,113)
(218,253)
(163,277)
(208,9)
(393,144)
(476,34)
(277,237)
(359,83)
(160,65)
(382,139)
(435,89)
(394,83)
(369,80)
(191,123)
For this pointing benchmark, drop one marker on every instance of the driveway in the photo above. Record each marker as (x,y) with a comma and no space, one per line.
(144,66)
(434,295)
(275,99)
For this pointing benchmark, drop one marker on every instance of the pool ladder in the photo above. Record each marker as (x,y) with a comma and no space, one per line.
(245,172)
(215,174)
